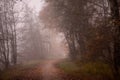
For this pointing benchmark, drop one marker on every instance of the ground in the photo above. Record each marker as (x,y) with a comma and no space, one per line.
(45,70)
(50,71)
(57,69)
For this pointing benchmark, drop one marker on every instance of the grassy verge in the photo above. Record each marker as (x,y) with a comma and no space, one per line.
(18,70)
(86,71)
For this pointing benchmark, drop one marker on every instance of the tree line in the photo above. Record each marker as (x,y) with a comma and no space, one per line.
(21,34)
(91,29)
(32,42)
(8,47)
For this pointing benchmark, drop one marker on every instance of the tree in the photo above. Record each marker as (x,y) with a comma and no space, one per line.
(8,48)
(91,28)
(116,34)
(32,43)
(69,15)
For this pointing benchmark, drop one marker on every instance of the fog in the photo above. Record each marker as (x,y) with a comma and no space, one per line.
(35,39)
(59,40)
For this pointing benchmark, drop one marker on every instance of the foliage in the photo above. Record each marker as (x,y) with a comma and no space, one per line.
(85,70)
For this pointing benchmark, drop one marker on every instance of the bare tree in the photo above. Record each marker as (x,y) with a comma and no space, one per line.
(8,49)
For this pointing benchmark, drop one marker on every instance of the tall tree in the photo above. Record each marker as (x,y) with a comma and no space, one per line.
(8,48)
(114,6)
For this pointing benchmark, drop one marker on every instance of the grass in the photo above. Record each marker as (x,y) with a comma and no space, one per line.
(11,72)
(99,69)
(69,67)
(86,70)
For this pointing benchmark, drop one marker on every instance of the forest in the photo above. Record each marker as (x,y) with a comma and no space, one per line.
(59,39)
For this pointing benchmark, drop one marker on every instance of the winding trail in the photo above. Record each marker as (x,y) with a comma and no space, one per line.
(50,71)
(46,70)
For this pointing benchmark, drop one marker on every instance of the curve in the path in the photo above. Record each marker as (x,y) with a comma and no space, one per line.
(50,71)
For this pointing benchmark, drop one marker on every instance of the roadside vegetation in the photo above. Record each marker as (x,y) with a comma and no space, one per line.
(23,71)
(86,71)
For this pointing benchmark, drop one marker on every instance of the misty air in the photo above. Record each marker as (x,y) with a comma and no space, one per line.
(59,39)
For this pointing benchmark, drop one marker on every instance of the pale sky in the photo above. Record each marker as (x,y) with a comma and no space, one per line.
(36,4)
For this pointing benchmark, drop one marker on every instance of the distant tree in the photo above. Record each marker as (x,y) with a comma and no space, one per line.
(32,41)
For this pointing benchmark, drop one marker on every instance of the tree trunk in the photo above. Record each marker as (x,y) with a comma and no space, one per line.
(116,33)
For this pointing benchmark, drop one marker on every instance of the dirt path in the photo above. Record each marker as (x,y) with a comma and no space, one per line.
(50,71)
(47,70)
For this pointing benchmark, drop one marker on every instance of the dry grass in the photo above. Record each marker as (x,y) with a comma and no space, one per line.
(86,71)
(25,71)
